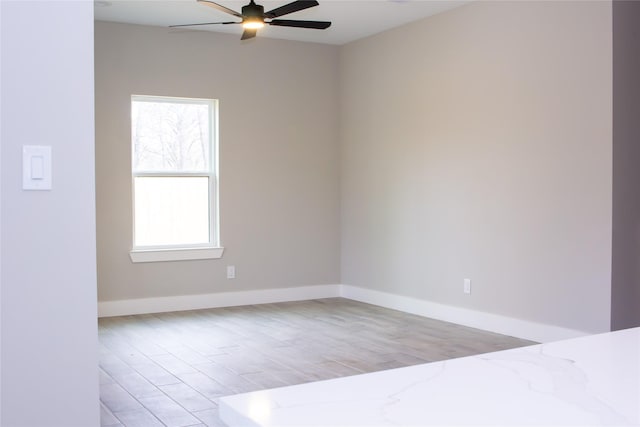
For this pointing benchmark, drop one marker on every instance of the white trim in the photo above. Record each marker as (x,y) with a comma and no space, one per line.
(524,329)
(476,319)
(223,299)
(212,174)
(156,255)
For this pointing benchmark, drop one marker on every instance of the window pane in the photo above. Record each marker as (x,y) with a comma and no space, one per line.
(170,136)
(171,211)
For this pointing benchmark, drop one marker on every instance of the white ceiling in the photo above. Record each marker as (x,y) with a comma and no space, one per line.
(351,19)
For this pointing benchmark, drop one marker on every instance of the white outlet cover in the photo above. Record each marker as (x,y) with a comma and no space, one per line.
(231,272)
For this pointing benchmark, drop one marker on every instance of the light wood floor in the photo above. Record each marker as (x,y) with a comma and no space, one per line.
(169,369)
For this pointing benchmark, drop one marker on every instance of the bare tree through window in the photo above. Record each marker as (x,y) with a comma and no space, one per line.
(170,136)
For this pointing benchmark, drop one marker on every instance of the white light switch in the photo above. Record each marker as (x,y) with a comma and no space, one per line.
(36,167)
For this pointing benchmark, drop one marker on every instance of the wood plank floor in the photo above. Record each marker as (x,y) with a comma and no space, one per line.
(169,369)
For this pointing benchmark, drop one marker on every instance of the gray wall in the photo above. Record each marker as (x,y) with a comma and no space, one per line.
(48,267)
(474,144)
(477,144)
(279,157)
(625,299)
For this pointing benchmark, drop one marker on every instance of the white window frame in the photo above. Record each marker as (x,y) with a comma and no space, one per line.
(210,250)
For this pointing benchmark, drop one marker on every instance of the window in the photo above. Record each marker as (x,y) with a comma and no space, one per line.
(174,173)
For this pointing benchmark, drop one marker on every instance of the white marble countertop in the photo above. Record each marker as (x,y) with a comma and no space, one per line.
(586,381)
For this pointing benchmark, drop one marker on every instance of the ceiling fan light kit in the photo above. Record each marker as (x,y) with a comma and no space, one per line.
(253,23)
(253,17)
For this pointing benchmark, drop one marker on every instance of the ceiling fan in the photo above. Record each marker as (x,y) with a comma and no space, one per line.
(253,17)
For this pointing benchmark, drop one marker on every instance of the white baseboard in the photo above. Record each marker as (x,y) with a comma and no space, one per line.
(476,319)
(222,299)
(524,329)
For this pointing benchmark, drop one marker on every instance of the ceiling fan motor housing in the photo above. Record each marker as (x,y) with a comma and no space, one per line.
(253,11)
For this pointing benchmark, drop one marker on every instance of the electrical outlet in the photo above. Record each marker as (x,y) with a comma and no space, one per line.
(467,286)
(231,271)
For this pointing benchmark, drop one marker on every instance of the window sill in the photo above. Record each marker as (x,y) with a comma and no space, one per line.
(159,255)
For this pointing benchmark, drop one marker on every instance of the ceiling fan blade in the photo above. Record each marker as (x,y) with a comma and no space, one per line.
(248,33)
(220,7)
(290,8)
(204,23)
(318,25)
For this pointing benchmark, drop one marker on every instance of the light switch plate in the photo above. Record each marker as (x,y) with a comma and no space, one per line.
(36,167)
